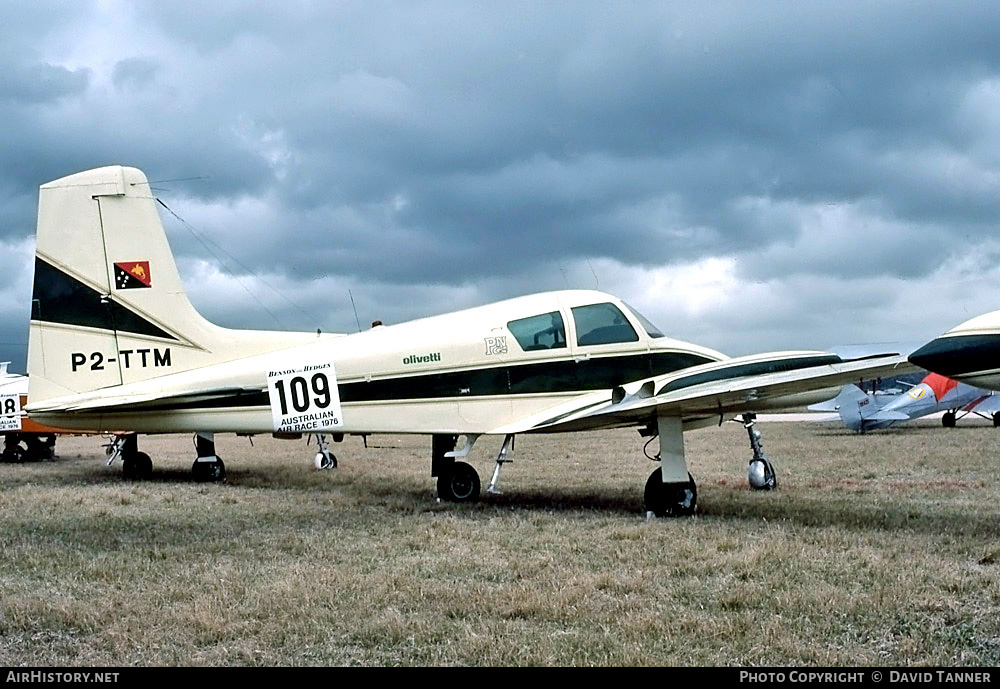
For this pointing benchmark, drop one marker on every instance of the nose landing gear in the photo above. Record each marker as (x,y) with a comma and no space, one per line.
(760,472)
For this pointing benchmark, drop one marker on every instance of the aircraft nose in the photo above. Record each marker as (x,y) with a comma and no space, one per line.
(959,355)
(936,355)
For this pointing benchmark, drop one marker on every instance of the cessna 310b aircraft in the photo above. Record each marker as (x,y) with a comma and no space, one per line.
(116,346)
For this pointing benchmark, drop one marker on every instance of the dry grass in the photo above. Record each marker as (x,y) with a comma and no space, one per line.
(877,550)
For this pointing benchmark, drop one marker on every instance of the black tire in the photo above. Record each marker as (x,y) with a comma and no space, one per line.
(996,419)
(459,484)
(670,499)
(209,471)
(15,453)
(40,448)
(137,467)
(948,420)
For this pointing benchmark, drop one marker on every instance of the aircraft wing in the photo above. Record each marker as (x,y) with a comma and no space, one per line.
(767,382)
(987,405)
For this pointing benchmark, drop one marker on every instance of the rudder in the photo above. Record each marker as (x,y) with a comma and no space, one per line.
(108,305)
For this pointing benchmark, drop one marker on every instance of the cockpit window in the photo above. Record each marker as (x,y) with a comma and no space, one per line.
(544,331)
(602,324)
(651,329)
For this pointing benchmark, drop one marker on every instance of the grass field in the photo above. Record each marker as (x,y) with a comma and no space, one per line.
(877,550)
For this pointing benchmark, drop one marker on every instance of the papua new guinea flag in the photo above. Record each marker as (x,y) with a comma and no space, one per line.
(132,275)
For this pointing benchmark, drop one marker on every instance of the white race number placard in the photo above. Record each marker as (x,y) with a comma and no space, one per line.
(10,406)
(305,399)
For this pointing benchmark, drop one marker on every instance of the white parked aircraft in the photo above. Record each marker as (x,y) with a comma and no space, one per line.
(115,346)
(969,352)
(23,439)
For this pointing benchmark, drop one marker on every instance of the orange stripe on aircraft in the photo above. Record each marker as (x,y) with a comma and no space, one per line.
(30,426)
(940,385)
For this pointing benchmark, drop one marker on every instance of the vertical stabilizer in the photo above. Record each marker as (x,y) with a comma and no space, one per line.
(854,406)
(108,306)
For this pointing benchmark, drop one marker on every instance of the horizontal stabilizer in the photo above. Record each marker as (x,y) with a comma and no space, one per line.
(137,402)
(886,415)
(849,393)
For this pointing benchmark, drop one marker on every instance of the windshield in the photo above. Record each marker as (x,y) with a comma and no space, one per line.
(650,329)
(598,324)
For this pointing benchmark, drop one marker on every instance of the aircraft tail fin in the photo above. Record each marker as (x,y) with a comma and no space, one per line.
(854,406)
(108,305)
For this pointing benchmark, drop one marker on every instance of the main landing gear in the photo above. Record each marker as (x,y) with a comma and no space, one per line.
(669,499)
(950,418)
(456,481)
(138,466)
(459,484)
(670,490)
(207,466)
(27,447)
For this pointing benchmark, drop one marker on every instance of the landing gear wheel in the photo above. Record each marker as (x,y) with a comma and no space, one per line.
(996,419)
(459,484)
(209,471)
(15,453)
(948,419)
(137,467)
(325,460)
(761,475)
(670,499)
(40,447)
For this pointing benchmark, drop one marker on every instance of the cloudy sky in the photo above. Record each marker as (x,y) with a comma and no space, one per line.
(750,175)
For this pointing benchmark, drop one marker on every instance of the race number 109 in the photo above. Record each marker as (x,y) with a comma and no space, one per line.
(304,395)
(305,400)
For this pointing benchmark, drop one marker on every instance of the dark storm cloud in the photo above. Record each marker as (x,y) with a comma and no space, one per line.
(510,147)
(40,83)
(134,72)
(661,116)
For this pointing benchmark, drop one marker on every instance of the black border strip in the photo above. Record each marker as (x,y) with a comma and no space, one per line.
(60,298)
(537,378)
(959,355)
(754,368)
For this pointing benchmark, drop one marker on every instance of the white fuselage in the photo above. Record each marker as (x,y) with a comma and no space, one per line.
(464,372)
